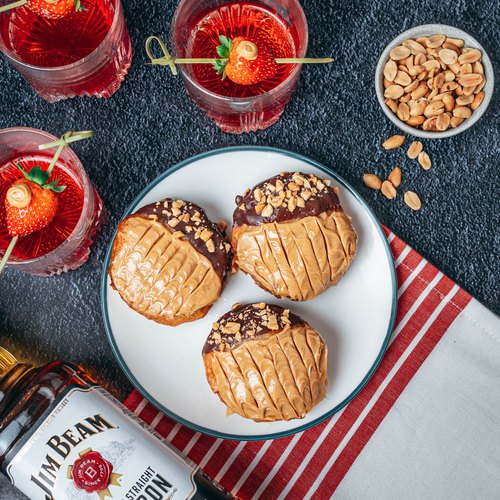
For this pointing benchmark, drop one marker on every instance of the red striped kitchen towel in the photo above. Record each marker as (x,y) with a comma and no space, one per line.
(426,425)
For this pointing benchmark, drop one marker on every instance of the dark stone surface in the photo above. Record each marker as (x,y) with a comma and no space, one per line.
(334,118)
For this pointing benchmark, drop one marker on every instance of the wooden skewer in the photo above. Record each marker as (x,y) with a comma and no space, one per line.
(14,5)
(8,252)
(169,60)
(304,60)
(279,60)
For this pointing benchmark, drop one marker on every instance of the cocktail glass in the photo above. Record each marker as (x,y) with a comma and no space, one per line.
(21,144)
(238,114)
(36,46)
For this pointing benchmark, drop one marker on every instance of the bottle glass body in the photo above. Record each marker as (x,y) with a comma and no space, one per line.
(63,436)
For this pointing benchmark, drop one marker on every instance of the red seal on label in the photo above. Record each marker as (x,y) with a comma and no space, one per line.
(91,472)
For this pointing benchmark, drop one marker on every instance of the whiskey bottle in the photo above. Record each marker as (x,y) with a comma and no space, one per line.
(62,436)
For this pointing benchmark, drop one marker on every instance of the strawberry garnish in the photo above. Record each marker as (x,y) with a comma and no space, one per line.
(31,202)
(55,9)
(244,60)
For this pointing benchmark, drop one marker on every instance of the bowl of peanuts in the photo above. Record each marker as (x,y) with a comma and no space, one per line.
(434,81)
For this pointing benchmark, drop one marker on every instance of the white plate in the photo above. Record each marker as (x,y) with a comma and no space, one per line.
(355,318)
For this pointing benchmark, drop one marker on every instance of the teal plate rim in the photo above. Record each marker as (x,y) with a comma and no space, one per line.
(204,430)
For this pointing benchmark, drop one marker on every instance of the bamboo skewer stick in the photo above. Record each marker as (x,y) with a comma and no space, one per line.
(8,252)
(14,5)
(169,60)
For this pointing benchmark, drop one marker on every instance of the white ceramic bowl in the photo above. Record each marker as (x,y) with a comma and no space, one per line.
(427,30)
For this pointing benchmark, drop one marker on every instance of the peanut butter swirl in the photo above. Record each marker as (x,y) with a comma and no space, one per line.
(297,259)
(167,274)
(276,374)
(284,197)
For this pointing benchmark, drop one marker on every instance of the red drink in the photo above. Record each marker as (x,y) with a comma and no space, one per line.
(280,27)
(247,20)
(40,41)
(69,208)
(83,53)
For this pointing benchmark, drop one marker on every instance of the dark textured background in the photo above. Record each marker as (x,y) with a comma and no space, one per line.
(334,118)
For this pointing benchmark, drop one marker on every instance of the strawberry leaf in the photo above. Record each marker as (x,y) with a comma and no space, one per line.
(78,6)
(223,51)
(38,176)
(226,42)
(54,186)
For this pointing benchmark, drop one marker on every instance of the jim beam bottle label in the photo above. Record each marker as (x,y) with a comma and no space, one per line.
(105,452)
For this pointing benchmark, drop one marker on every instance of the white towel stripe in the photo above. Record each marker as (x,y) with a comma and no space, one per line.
(428,289)
(409,280)
(402,256)
(277,466)
(173,432)
(230,461)
(391,236)
(141,406)
(156,420)
(251,467)
(309,455)
(381,389)
(191,443)
(210,452)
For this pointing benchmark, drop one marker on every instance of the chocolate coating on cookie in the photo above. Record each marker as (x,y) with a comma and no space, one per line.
(192,221)
(248,322)
(284,197)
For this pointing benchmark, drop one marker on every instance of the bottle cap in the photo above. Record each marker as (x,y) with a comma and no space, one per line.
(7,361)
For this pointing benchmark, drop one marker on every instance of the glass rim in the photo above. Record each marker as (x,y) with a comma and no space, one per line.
(50,69)
(185,74)
(87,190)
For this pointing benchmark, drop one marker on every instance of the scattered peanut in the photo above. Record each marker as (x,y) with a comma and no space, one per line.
(412,200)
(395,177)
(424,160)
(389,187)
(372,181)
(388,190)
(416,147)
(394,142)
